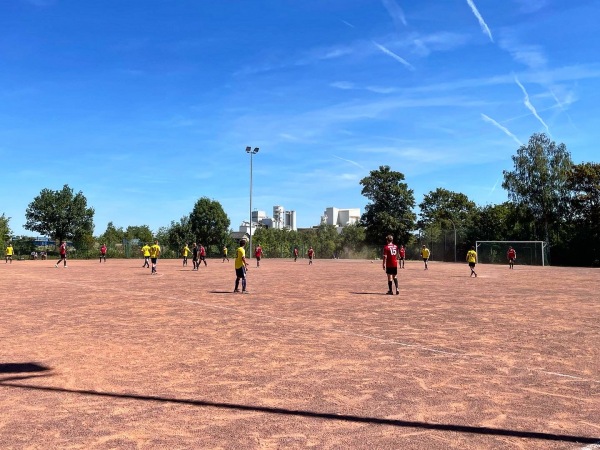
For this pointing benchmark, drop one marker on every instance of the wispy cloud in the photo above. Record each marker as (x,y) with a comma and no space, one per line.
(349,161)
(531,56)
(344,85)
(393,55)
(502,128)
(347,23)
(395,12)
(531,6)
(530,106)
(482,23)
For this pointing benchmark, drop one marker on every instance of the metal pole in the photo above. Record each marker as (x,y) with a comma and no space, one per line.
(250,223)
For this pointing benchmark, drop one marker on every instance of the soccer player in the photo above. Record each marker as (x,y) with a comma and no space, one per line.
(295,254)
(185,252)
(402,253)
(511,254)
(154,254)
(202,254)
(258,254)
(195,256)
(472,260)
(146,252)
(240,267)
(425,253)
(311,254)
(63,254)
(225,254)
(9,253)
(103,253)
(390,264)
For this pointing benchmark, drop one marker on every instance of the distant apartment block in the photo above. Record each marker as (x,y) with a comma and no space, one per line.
(281,220)
(340,218)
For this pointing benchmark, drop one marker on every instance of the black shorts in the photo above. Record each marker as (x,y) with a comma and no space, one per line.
(241,272)
(153,260)
(391,270)
(258,258)
(202,258)
(511,260)
(472,265)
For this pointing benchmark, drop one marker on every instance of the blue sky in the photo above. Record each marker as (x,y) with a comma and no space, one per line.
(146,106)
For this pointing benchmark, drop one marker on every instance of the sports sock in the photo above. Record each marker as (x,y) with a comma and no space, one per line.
(389,285)
(395,283)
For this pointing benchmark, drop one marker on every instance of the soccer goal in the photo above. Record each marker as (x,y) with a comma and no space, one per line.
(533,253)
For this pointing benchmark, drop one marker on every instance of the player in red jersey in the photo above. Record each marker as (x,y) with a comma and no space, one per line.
(103,253)
(295,254)
(402,253)
(311,254)
(258,254)
(63,254)
(390,264)
(511,254)
(202,255)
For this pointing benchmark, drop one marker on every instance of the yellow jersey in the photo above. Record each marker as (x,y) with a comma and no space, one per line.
(9,250)
(154,251)
(425,253)
(186,251)
(239,257)
(472,256)
(146,250)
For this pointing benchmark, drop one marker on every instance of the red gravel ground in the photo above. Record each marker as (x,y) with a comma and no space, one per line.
(105,356)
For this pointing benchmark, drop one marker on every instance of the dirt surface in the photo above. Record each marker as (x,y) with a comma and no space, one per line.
(103,356)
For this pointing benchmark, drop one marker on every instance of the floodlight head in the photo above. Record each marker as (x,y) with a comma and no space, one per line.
(248,149)
(255,151)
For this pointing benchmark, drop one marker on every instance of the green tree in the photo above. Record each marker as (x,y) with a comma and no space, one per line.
(112,236)
(141,232)
(208,223)
(443,205)
(390,210)
(60,214)
(584,184)
(352,240)
(5,231)
(539,183)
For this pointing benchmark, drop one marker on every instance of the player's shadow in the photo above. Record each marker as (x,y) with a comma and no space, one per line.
(467,429)
(19,369)
(220,292)
(368,293)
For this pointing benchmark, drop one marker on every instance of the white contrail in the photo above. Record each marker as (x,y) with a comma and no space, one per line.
(482,23)
(529,106)
(394,11)
(348,23)
(503,128)
(393,55)
(349,161)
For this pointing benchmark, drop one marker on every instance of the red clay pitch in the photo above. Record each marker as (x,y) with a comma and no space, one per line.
(103,356)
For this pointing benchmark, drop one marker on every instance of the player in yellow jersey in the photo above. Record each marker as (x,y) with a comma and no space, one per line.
(9,253)
(225,254)
(146,252)
(425,253)
(185,252)
(472,260)
(240,267)
(154,254)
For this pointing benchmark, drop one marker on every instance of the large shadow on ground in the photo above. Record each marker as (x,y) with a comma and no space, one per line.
(318,415)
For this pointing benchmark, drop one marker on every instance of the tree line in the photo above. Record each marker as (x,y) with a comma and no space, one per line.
(550,198)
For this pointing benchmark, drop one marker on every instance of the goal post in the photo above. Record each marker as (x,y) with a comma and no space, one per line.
(532,253)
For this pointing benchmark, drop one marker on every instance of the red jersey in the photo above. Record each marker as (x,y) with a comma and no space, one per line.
(390,253)
(202,251)
(311,252)
(258,252)
(511,254)
(402,252)
(103,249)
(63,249)
(295,252)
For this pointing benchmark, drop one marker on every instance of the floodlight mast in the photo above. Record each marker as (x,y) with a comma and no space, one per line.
(251,152)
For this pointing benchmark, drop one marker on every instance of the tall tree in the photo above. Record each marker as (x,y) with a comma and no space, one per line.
(209,223)
(5,231)
(112,235)
(539,182)
(584,184)
(443,205)
(60,214)
(390,210)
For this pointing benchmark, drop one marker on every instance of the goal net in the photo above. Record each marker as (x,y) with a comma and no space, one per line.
(533,253)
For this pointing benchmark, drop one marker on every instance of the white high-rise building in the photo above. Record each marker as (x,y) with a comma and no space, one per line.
(340,217)
(281,219)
